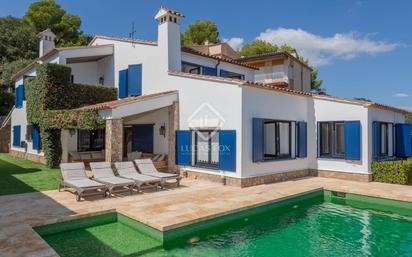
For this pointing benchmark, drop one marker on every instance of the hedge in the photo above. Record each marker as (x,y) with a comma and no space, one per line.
(51,104)
(395,172)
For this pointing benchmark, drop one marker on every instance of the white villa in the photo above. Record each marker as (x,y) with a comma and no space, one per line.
(214,114)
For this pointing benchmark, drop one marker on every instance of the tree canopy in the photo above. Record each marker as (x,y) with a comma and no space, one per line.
(17,40)
(258,46)
(48,14)
(8,69)
(198,32)
(19,44)
(409,118)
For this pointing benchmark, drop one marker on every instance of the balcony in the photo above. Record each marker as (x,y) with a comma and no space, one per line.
(268,77)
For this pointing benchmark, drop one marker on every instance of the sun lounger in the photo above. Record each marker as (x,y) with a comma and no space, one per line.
(103,173)
(146,167)
(74,176)
(127,170)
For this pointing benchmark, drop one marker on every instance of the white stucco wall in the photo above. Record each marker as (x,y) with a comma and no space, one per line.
(19,117)
(327,110)
(84,73)
(197,97)
(257,103)
(127,53)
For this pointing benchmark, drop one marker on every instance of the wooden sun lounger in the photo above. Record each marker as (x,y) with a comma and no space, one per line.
(103,173)
(74,176)
(146,167)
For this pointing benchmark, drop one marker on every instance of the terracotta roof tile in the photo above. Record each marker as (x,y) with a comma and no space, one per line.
(124,101)
(365,103)
(50,53)
(240,83)
(232,61)
(124,39)
(279,54)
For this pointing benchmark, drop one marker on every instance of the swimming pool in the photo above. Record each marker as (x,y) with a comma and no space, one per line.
(319,223)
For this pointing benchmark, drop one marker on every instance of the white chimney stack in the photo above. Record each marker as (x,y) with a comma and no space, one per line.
(169,38)
(47,38)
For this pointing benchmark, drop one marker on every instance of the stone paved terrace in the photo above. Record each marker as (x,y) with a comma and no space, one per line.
(193,201)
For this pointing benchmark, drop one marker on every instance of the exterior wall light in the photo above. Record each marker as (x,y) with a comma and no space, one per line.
(101,80)
(162,130)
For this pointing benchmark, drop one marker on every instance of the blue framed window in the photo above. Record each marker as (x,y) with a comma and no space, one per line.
(206,148)
(383,140)
(90,140)
(340,140)
(332,139)
(277,140)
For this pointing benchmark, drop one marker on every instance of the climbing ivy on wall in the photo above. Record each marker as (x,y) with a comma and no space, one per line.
(51,104)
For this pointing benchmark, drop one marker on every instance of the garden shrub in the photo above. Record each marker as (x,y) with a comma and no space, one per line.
(51,145)
(395,172)
(51,104)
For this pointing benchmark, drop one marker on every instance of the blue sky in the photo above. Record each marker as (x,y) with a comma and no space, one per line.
(361,48)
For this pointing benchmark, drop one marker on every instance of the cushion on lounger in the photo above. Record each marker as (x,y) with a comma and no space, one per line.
(101,169)
(73,171)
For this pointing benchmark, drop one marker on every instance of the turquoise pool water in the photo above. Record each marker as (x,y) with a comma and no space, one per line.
(302,227)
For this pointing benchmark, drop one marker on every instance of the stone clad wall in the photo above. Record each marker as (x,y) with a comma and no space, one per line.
(114,140)
(277,177)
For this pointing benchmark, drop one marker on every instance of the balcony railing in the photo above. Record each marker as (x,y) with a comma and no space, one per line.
(267,77)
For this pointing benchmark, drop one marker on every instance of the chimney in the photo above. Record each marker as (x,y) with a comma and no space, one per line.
(47,38)
(169,38)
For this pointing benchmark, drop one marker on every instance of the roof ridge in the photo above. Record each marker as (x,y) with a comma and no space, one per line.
(240,82)
(126,39)
(245,59)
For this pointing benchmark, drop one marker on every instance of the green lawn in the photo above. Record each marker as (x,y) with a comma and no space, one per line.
(21,176)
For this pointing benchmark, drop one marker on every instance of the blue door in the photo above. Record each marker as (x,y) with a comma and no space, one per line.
(142,138)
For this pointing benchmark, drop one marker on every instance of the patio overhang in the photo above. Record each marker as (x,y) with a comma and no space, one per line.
(119,112)
(134,105)
(85,54)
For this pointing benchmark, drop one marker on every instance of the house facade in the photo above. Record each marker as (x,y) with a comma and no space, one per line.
(214,114)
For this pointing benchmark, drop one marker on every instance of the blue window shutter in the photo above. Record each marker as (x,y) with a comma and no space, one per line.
(352,140)
(376,139)
(183,147)
(302,141)
(403,140)
(258,140)
(134,80)
(35,133)
(209,71)
(16,135)
(23,96)
(224,73)
(19,96)
(227,150)
(123,83)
